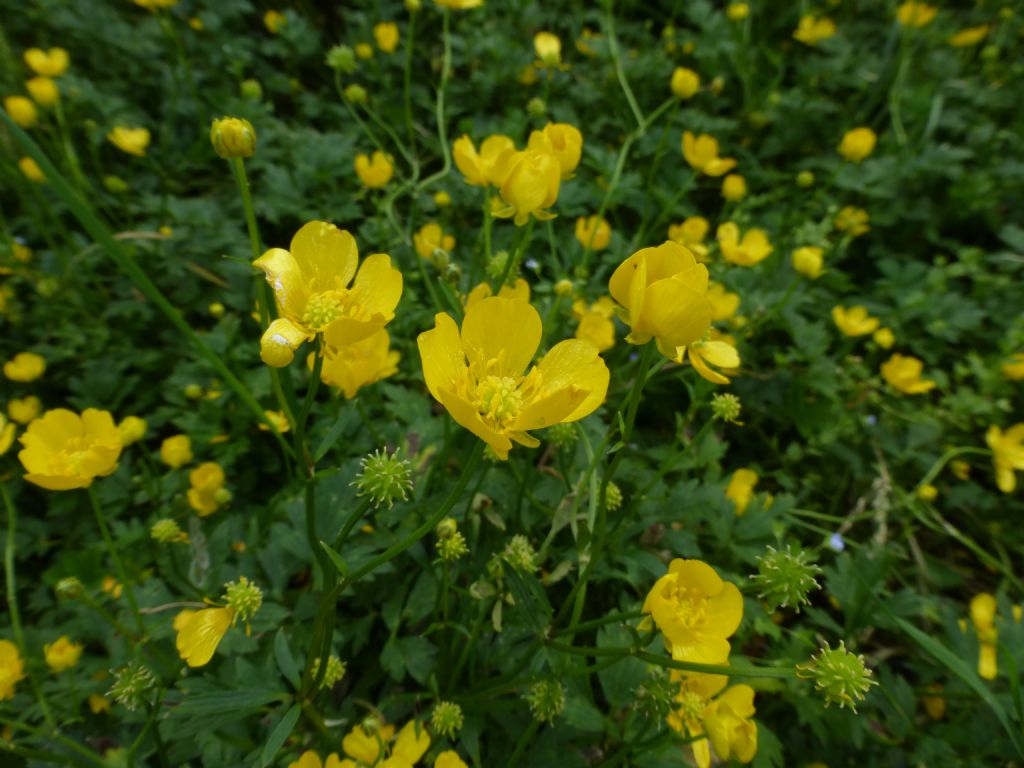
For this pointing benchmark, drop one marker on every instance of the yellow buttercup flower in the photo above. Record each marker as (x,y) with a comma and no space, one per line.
(460,5)
(132,429)
(310,759)
(752,249)
(483,168)
(31,170)
(449,759)
(365,747)
(812,30)
(207,493)
(411,743)
(62,654)
(741,489)
(737,11)
(592,232)
(884,337)
(904,373)
(734,187)
(562,140)
(310,284)
(278,419)
(375,170)
(479,373)
(519,290)
(274,21)
(25,367)
(200,632)
(696,611)
(153,5)
(685,83)
(701,152)
(22,111)
(442,199)
(12,669)
(710,352)
(1013,369)
(386,35)
(176,451)
(364,51)
(98,704)
(724,303)
(431,238)
(132,141)
(915,14)
(983,616)
(548,48)
(713,718)
(24,409)
(852,220)
(65,450)
(595,322)
(969,36)
(51,63)
(1007,454)
(857,144)
(663,295)
(691,233)
(7,432)
(530,186)
(808,261)
(854,321)
(355,365)
(233,137)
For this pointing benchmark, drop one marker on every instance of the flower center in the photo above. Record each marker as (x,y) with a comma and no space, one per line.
(690,606)
(690,706)
(322,309)
(498,397)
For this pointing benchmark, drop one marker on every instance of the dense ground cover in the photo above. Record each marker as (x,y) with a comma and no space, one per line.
(576,384)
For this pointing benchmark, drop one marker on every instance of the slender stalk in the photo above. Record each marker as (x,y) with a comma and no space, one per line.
(442,130)
(122,574)
(407,84)
(524,741)
(512,265)
(620,74)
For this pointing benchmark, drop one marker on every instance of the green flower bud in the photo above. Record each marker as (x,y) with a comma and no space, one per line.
(342,58)
(167,531)
(520,554)
(335,671)
(726,407)
(546,699)
(612,497)
(243,597)
(785,578)
(536,107)
(131,684)
(115,184)
(655,698)
(251,89)
(69,588)
(233,137)
(562,435)
(355,94)
(840,675)
(496,265)
(446,719)
(384,478)
(805,179)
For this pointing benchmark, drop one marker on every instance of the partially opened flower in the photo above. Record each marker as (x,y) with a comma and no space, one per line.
(562,140)
(311,285)
(43,90)
(741,489)
(207,492)
(592,232)
(62,653)
(65,450)
(366,746)
(520,290)
(482,168)
(595,322)
(706,353)
(752,249)
(663,295)
(479,374)
(386,36)
(691,233)
(51,63)
(903,372)
(855,321)
(701,152)
(353,366)
(854,220)
(724,302)
(25,367)
(969,36)
(1007,454)
(530,185)
(375,170)
(548,48)
(12,669)
(132,141)
(857,144)
(696,611)
(915,14)
(22,110)
(430,238)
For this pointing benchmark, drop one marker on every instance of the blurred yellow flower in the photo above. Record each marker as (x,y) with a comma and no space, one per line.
(741,489)
(983,616)
(701,152)
(43,90)
(51,63)
(691,233)
(233,137)
(64,450)
(25,367)
(685,83)
(519,290)
(207,493)
(22,110)
(479,373)
(7,431)
(310,284)
(62,654)
(1007,454)
(278,419)
(530,185)
(153,5)
(904,373)
(884,337)
(31,170)
(24,409)
(710,352)
(724,303)
(595,322)
(969,36)
(563,141)
(714,720)
(132,141)
(12,669)
(274,21)
(734,187)
(460,5)
(411,743)
(663,295)
(808,261)
(132,429)
(857,144)
(915,14)
(364,50)
(355,365)
(1013,369)
(430,238)
(737,11)
(176,451)
(200,632)
(386,35)
(695,611)
(310,759)
(375,170)
(812,30)
(752,249)
(442,199)
(592,232)
(98,704)
(854,321)
(548,49)
(852,220)
(483,168)
(365,747)
(928,492)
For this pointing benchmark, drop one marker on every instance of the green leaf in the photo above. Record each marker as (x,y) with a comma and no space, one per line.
(285,660)
(328,440)
(531,599)
(337,560)
(281,731)
(219,702)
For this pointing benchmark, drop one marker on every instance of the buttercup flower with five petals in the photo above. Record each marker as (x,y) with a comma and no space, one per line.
(701,152)
(354,366)
(64,450)
(696,611)
(1007,454)
(752,249)
(903,372)
(311,286)
(479,373)
(663,296)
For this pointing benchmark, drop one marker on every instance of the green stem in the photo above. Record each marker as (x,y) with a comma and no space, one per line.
(122,574)
(442,130)
(90,757)
(355,517)
(407,83)
(524,741)
(512,265)
(620,74)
